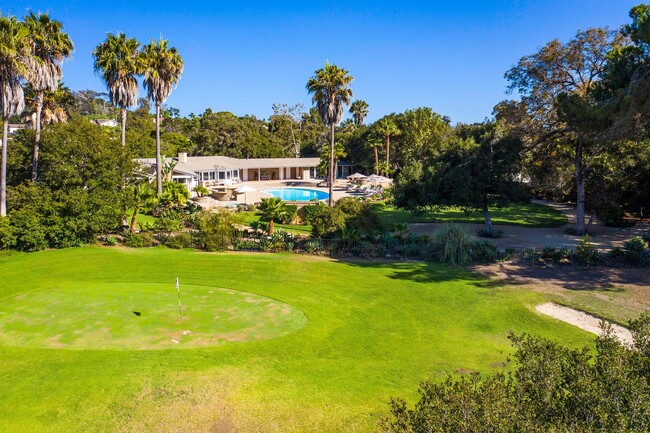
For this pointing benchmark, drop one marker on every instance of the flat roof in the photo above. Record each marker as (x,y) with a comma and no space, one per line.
(197,164)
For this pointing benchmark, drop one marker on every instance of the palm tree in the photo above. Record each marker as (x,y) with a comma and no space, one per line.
(331,88)
(13,53)
(142,196)
(273,208)
(339,153)
(374,142)
(359,110)
(163,69)
(49,47)
(54,105)
(388,128)
(118,62)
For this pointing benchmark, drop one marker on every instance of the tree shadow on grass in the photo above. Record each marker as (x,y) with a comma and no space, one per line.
(593,279)
(424,272)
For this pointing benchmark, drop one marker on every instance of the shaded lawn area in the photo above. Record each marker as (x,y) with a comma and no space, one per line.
(373,330)
(250,216)
(528,215)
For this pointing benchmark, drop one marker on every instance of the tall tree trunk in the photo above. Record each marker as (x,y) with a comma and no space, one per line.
(3,167)
(489,228)
(123,116)
(580,189)
(37,140)
(331,174)
(376,160)
(133,219)
(387,155)
(158,162)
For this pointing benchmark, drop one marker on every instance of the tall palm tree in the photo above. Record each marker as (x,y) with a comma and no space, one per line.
(118,62)
(13,54)
(331,89)
(163,68)
(359,110)
(50,46)
(54,105)
(374,141)
(388,128)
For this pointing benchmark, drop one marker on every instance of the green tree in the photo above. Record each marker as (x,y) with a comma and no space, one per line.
(163,68)
(13,52)
(118,62)
(50,46)
(359,110)
(273,209)
(476,171)
(571,69)
(387,128)
(331,90)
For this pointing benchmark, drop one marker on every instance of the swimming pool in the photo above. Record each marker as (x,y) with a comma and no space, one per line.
(297,194)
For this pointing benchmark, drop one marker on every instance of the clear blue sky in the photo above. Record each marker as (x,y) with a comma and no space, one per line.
(243,56)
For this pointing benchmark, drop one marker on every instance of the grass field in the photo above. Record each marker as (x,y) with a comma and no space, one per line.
(251,216)
(528,215)
(349,335)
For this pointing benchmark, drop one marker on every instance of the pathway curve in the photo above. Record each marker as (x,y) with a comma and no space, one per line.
(584,321)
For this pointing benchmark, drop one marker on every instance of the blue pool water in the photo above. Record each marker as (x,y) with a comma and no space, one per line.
(297,194)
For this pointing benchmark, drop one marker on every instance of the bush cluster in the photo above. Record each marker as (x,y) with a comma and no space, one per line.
(551,388)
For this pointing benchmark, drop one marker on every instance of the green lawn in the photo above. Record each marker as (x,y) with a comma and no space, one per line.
(529,215)
(300,229)
(349,335)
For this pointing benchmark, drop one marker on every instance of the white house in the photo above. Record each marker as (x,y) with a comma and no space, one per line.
(223,170)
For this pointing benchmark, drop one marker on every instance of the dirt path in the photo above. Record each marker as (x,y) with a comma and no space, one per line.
(584,321)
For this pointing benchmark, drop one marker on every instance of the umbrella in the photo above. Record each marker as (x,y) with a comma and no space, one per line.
(245,189)
(356,176)
(373,178)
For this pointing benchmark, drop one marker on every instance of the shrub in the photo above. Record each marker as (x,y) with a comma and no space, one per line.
(634,249)
(216,230)
(111,241)
(179,241)
(555,254)
(327,223)
(242,245)
(484,251)
(139,240)
(586,253)
(7,235)
(551,388)
(454,243)
(291,214)
(201,191)
(309,212)
(496,234)
(611,215)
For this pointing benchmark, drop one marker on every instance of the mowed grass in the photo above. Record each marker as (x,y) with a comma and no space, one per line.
(252,216)
(141,316)
(372,331)
(528,215)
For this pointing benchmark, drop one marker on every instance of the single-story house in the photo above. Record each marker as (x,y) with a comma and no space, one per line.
(222,170)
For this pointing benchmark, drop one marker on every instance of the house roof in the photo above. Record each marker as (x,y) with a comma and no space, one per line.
(197,164)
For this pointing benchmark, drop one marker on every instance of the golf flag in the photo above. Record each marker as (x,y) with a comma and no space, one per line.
(178,290)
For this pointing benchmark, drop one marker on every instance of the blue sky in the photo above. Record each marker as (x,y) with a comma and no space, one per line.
(243,56)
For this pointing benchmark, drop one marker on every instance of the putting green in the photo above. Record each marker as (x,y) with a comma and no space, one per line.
(142,316)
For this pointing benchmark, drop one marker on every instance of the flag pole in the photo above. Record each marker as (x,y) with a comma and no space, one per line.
(178,290)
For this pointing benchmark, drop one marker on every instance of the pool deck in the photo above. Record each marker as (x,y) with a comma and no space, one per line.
(256,196)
